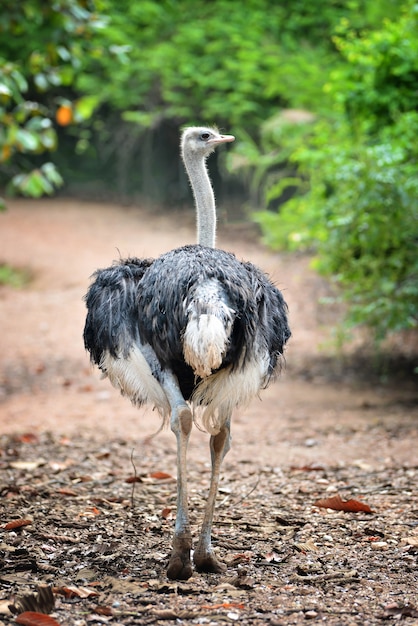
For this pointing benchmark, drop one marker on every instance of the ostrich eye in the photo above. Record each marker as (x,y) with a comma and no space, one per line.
(205,136)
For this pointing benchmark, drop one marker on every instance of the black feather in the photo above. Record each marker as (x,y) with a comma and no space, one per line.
(112,310)
(169,284)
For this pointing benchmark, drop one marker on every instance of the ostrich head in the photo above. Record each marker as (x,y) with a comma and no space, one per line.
(198,142)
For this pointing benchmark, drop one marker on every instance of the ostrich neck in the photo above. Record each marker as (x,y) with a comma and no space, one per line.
(204,200)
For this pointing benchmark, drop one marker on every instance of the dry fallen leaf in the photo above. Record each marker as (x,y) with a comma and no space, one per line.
(17,523)
(91,511)
(410,541)
(27,438)
(160,475)
(30,618)
(306,546)
(65,491)
(133,479)
(27,465)
(167,514)
(71,591)
(103,610)
(338,504)
(379,545)
(237,559)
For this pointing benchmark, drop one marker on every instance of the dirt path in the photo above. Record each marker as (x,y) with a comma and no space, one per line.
(335,431)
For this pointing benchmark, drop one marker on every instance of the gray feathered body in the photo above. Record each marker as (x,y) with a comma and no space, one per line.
(218,324)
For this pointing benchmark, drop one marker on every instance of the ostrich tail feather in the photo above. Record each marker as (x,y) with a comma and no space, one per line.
(207,333)
(204,344)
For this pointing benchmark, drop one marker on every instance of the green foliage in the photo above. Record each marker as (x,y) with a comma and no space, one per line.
(41,44)
(356,200)
(152,63)
(47,39)
(215,61)
(24,129)
(159,65)
(36,183)
(367,227)
(179,69)
(380,76)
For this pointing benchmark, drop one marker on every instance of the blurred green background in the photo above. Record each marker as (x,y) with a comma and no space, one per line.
(322,96)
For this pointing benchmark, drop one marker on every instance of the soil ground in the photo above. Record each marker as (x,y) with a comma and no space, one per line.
(81,464)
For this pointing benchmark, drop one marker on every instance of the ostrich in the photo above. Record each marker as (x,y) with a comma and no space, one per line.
(194,332)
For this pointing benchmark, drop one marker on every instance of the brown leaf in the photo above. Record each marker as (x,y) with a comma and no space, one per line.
(30,618)
(17,523)
(103,610)
(237,559)
(167,513)
(71,591)
(306,546)
(27,438)
(91,511)
(160,475)
(338,504)
(133,479)
(224,605)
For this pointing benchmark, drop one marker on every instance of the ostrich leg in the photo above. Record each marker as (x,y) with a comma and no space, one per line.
(179,567)
(203,556)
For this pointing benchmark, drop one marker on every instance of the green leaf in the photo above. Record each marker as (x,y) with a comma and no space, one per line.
(20,80)
(142,118)
(27,141)
(48,139)
(41,81)
(5,90)
(84,107)
(51,173)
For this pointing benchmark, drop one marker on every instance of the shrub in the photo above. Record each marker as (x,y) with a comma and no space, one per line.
(354,182)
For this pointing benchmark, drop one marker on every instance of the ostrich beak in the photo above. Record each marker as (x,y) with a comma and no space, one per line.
(221,139)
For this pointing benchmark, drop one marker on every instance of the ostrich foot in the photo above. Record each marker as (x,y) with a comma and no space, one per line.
(208,563)
(179,566)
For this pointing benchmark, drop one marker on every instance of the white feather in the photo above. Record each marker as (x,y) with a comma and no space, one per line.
(209,324)
(204,343)
(221,392)
(133,377)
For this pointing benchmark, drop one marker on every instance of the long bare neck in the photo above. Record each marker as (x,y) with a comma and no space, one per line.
(204,200)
